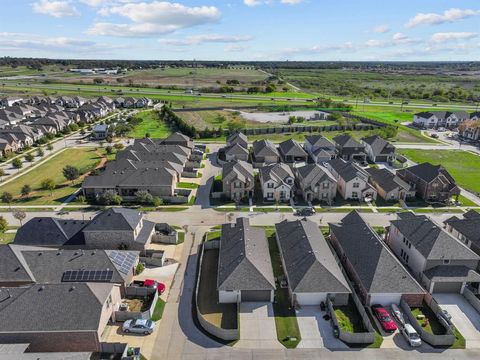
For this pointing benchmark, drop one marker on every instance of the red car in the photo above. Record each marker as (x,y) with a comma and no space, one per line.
(384,317)
(155,284)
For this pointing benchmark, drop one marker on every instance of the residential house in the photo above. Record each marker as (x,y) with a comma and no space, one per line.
(100,131)
(439,261)
(291,152)
(234,152)
(315,182)
(320,148)
(437,119)
(245,271)
(350,149)
(10,101)
(433,183)
(475,116)
(377,274)
(352,181)
(5,148)
(379,149)
(238,180)
(179,139)
(264,153)
(466,228)
(389,186)
(470,129)
(238,138)
(310,267)
(277,182)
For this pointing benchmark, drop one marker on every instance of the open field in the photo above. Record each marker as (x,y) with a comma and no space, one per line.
(384,85)
(85,159)
(150,124)
(463,166)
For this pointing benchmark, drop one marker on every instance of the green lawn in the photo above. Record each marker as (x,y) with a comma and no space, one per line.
(466,202)
(85,159)
(462,165)
(213,235)
(150,124)
(288,332)
(349,319)
(6,238)
(185,185)
(433,326)
(158,311)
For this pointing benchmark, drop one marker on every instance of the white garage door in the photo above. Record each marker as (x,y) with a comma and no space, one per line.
(310,298)
(385,299)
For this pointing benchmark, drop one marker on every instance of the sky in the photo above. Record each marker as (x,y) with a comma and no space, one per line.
(242,30)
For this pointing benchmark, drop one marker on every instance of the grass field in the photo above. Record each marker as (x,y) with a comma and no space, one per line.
(150,124)
(463,166)
(85,159)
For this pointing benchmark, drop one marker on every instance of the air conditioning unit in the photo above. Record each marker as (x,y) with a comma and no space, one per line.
(123,307)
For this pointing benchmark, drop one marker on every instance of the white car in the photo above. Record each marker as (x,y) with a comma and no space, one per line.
(397,313)
(411,335)
(139,326)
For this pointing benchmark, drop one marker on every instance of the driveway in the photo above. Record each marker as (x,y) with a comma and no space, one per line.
(257,327)
(316,332)
(465,318)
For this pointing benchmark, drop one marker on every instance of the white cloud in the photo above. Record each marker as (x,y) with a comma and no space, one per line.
(56,9)
(94,3)
(381,29)
(291,2)
(234,48)
(252,3)
(452,36)
(200,39)
(448,16)
(155,18)
(397,39)
(317,49)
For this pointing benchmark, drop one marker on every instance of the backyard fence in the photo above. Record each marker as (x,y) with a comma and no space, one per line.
(146,315)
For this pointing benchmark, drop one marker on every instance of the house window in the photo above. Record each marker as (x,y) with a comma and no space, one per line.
(290,181)
(269,195)
(270,185)
(446,261)
(282,194)
(354,195)
(356,185)
(326,185)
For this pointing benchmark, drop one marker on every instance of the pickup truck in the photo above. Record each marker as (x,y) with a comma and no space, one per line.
(151,284)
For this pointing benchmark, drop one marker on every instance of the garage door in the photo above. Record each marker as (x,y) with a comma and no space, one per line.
(256,295)
(385,299)
(310,298)
(447,287)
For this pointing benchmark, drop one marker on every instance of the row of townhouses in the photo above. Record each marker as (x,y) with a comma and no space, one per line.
(320,170)
(443,119)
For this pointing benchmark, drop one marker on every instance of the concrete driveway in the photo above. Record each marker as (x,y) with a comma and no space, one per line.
(257,327)
(465,318)
(316,332)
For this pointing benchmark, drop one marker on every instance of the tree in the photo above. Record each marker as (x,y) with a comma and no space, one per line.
(26,190)
(6,197)
(20,216)
(143,197)
(2,173)
(109,139)
(40,152)
(17,163)
(110,197)
(49,147)
(157,201)
(71,173)
(109,150)
(29,157)
(3,224)
(118,146)
(147,135)
(48,184)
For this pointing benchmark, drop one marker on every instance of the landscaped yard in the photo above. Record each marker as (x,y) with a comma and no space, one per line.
(185,185)
(85,159)
(462,165)
(151,124)
(6,238)
(213,235)
(288,332)
(349,319)
(158,311)
(221,315)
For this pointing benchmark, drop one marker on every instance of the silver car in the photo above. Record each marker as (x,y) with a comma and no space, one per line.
(139,326)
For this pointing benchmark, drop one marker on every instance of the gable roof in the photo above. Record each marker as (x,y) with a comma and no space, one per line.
(13,267)
(115,219)
(46,231)
(379,145)
(347,170)
(346,141)
(387,180)
(309,263)
(53,307)
(430,239)
(242,170)
(237,138)
(468,226)
(428,172)
(319,141)
(277,172)
(377,268)
(244,259)
(264,148)
(312,174)
(236,149)
(291,148)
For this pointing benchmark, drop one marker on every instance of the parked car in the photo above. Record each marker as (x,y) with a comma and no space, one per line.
(384,318)
(305,212)
(433,135)
(138,326)
(156,285)
(411,335)
(397,313)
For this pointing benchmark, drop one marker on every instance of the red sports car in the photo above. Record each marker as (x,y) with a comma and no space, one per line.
(155,284)
(384,317)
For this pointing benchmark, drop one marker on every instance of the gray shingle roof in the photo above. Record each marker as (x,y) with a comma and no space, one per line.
(53,307)
(309,263)
(277,172)
(428,172)
(291,148)
(45,231)
(431,240)
(346,141)
(242,169)
(469,226)
(244,259)
(379,145)
(115,219)
(13,267)
(452,273)
(377,268)
(264,148)
(387,180)
(236,149)
(347,170)
(319,141)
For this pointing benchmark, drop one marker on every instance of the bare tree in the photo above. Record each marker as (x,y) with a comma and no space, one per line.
(20,216)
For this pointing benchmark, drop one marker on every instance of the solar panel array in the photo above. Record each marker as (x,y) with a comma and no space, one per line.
(87,276)
(124,260)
